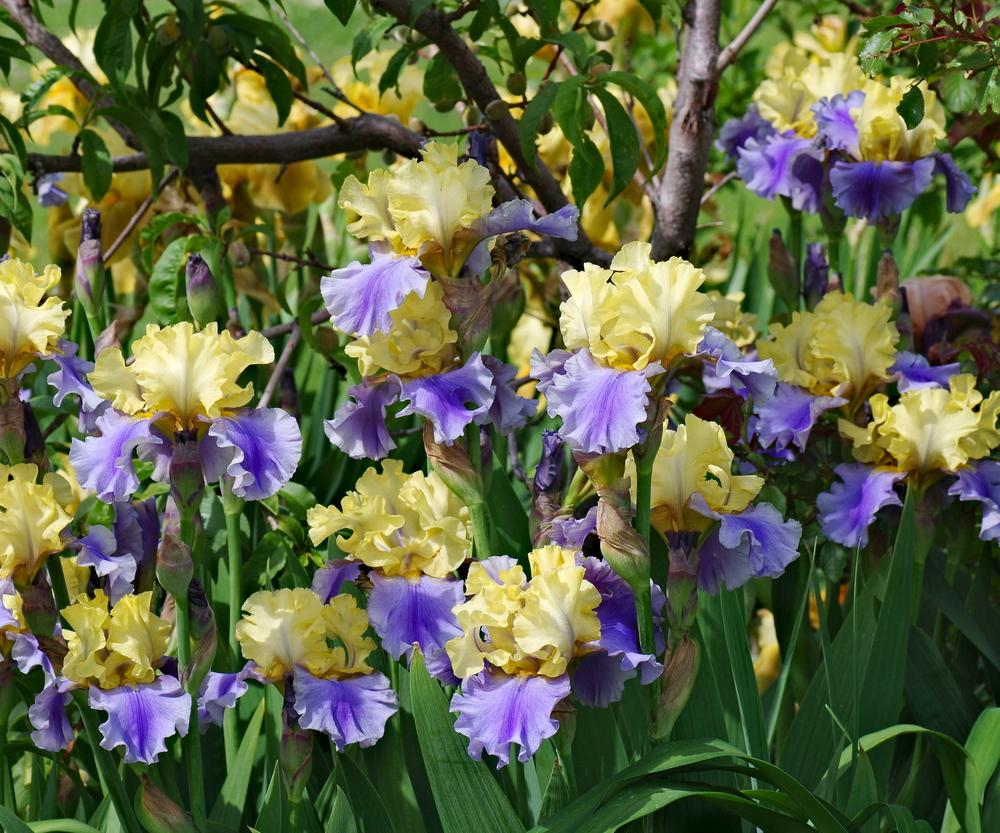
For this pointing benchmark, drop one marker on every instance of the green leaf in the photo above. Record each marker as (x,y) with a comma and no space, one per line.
(278,85)
(623,140)
(341,819)
(571,110)
(97,165)
(738,645)
(646,95)
(885,21)
(342,9)
(531,118)
(11,823)
(440,80)
(273,817)
(958,92)
(164,282)
(228,807)
(113,41)
(983,748)
(872,57)
(911,107)
(467,796)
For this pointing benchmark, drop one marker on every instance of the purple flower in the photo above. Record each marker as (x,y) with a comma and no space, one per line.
(52,729)
(104,462)
(816,274)
(981,482)
(361,296)
(452,400)
(848,509)
(329,579)
(600,407)
(50,195)
(259,449)
(783,165)
(545,367)
(508,411)
(519,215)
(572,532)
(142,717)
(358,428)
(874,190)
(549,471)
(71,377)
(958,188)
(99,549)
(27,654)
(788,417)
(735,133)
(219,692)
(755,543)
(835,123)
(405,612)
(495,710)
(915,372)
(137,531)
(351,710)
(734,371)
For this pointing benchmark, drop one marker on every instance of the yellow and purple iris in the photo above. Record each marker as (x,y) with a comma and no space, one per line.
(182,385)
(931,432)
(412,534)
(31,322)
(319,652)
(32,521)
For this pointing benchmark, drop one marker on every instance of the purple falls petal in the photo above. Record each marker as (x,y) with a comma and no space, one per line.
(981,482)
(361,296)
(572,532)
(508,411)
(915,372)
(519,215)
(735,133)
(219,692)
(142,717)
(71,377)
(352,710)
(734,371)
(958,189)
(52,729)
(99,549)
(773,542)
(545,367)
(495,710)
(452,400)
(601,408)
(329,578)
(788,416)
(50,194)
(137,531)
(259,449)
(104,463)
(784,166)
(874,190)
(835,123)
(405,612)
(358,428)
(27,654)
(848,509)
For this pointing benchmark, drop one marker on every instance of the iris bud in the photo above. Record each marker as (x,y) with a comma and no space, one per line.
(203,297)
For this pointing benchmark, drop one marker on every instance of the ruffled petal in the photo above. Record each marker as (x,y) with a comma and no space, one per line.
(99,549)
(601,408)
(913,372)
(788,416)
(572,532)
(104,463)
(361,296)
(405,612)
(731,370)
(352,710)
(599,680)
(452,400)
(519,215)
(71,377)
(508,411)
(735,133)
(142,717)
(220,692)
(259,449)
(137,531)
(835,123)
(52,729)
(981,482)
(358,428)
(874,190)
(495,710)
(27,654)
(785,166)
(546,366)
(329,578)
(848,509)
(957,186)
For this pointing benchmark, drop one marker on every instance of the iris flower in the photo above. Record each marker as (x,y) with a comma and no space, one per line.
(182,385)
(32,521)
(412,533)
(318,652)
(31,322)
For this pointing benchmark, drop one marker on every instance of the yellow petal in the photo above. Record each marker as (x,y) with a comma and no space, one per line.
(281,629)
(30,323)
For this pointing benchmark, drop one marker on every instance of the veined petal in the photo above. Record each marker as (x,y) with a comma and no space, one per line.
(259,449)
(351,710)
(27,654)
(788,417)
(99,549)
(52,729)
(545,367)
(219,692)
(71,377)
(452,400)
(780,165)
(913,372)
(104,463)
(495,710)
(142,717)
(958,188)
(572,532)
(508,411)
(735,133)
(981,482)
(848,509)
(329,578)
(358,428)
(835,123)
(874,190)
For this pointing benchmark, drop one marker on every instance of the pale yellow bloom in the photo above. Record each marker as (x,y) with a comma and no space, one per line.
(31,522)
(31,323)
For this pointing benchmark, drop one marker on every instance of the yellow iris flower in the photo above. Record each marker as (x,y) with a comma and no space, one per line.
(399,523)
(695,459)
(534,627)
(843,348)
(882,133)
(929,428)
(282,629)
(31,522)
(181,372)
(31,323)
(116,647)
(637,312)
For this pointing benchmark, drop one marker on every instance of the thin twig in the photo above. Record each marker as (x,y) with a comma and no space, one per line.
(139,214)
(301,261)
(282,329)
(727,55)
(280,365)
(718,186)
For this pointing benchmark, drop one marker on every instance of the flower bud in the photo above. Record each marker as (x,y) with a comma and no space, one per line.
(187,481)
(817,275)
(887,281)
(294,755)
(680,670)
(89,275)
(203,633)
(203,296)
(549,472)
(12,431)
(174,565)
(239,254)
(682,581)
(158,813)
(38,605)
(783,271)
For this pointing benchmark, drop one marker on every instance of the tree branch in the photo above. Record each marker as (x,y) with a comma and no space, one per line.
(678,198)
(727,55)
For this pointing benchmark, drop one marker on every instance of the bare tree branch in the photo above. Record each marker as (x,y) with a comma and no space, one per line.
(727,55)
(679,196)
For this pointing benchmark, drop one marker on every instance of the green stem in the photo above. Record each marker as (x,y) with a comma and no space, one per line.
(644,491)
(6,781)
(107,772)
(644,612)
(58,581)
(480,530)
(232,506)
